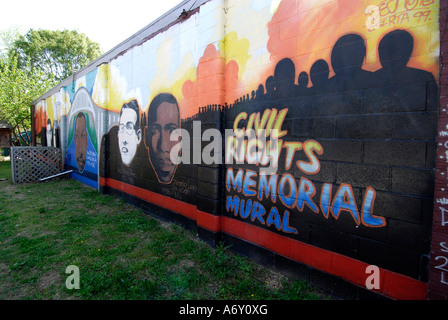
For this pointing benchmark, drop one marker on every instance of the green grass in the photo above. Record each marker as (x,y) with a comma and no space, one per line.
(5,169)
(121,252)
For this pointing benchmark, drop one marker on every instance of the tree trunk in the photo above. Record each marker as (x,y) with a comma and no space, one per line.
(28,142)
(13,130)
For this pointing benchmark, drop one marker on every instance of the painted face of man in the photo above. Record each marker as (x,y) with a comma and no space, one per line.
(167,120)
(49,134)
(128,137)
(81,142)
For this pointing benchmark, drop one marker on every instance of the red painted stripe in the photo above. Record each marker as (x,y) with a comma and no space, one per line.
(393,284)
(203,219)
(186,209)
(209,221)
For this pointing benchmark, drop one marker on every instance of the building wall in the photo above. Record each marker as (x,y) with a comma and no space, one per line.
(438,278)
(346,179)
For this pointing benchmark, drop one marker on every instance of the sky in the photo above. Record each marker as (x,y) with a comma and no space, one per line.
(107,22)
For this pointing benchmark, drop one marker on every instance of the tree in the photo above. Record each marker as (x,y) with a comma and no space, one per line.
(18,89)
(7,39)
(60,53)
(32,64)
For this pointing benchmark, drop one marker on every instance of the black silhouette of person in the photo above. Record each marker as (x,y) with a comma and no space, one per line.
(284,78)
(270,88)
(347,58)
(303,81)
(395,50)
(56,133)
(319,74)
(259,92)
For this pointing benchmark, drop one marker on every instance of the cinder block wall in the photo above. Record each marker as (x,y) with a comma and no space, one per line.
(353,90)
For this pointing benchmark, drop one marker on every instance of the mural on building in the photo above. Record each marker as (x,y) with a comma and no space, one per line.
(333,110)
(315,104)
(163,120)
(129,132)
(82,146)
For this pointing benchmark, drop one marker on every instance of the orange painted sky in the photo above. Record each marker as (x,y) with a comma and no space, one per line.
(305,31)
(208,88)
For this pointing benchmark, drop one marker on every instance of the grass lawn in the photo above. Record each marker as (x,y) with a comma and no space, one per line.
(121,252)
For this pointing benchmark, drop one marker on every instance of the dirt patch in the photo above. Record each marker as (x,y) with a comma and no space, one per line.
(186,264)
(274,280)
(3,268)
(49,278)
(183,265)
(7,186)
(11,190)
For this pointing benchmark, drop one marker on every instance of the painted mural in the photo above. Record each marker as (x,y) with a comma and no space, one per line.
(82,146)
(331,109)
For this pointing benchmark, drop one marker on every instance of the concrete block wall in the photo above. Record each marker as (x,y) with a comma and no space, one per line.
(354,93)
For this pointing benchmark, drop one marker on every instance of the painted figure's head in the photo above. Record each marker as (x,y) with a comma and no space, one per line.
(163,119)
(81,140)
(49,133)
(395,49)
(348,53)
(129,133)
(319,73)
